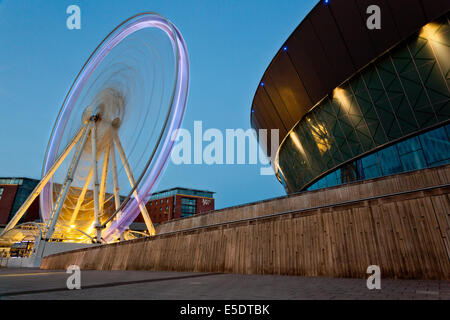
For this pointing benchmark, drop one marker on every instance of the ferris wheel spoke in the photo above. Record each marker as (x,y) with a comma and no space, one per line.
(143,209)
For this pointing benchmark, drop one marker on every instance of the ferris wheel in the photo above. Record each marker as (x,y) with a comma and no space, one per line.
(113,134)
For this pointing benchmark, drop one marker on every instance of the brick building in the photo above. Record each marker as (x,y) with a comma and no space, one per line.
(13,192)
(176,203)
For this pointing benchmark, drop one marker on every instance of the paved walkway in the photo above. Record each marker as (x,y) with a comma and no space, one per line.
(45,284)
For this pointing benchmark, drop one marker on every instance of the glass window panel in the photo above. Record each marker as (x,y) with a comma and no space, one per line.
(436,146)
(372,172)
(350,172)
(323,183)
(338,176)
(390,162)
(370,160)
(409,145)
(313,186)
(331,179)
(413,160)
(188,207)
(359,170)
(440,163)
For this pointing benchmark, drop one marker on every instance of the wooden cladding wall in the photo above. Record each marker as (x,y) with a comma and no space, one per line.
(407,235)
(354,191)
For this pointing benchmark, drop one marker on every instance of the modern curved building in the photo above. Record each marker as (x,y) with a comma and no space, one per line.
(353,103)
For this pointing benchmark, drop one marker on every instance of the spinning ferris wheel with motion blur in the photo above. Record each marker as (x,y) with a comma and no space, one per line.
(113,134)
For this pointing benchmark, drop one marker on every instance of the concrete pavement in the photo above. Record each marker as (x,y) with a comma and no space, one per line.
(44,284)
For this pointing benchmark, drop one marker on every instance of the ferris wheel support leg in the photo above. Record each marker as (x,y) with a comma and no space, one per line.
(115,183)
(81,197)
(104,180)
(38,189)
(66,186)
(96,184)
(115,179)
(144,212)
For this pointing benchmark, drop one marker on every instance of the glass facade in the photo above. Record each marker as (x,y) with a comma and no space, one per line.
(426,150)
(9,181)
(26,186)
(188,207)
(404,91)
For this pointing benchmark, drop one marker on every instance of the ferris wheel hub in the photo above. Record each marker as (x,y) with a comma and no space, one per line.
(95,117)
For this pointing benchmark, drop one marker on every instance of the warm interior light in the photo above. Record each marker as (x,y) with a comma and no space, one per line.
(320,135)
(297,143)
(90,230)
(429,32)
(340,95)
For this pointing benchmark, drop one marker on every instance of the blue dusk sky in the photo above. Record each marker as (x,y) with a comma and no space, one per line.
(230,45)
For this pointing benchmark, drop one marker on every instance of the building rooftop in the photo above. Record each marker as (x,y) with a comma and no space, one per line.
(180,190)
(15,180)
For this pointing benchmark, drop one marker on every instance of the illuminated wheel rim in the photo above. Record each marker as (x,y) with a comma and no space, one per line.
(158,160)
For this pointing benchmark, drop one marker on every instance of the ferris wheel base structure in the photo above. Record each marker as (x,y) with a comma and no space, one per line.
(35,260)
